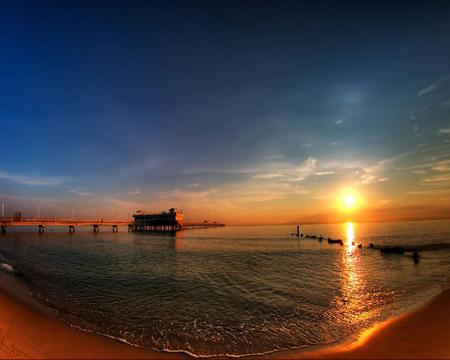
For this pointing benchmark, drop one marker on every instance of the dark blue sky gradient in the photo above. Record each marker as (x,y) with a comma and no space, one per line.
(110,96)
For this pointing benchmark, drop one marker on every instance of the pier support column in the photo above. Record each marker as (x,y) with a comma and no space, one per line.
(71,229)
(96,228)
(41,229)
(130,228)
(3,229)
(115,229)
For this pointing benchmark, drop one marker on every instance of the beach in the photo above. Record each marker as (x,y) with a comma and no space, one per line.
(29,330)
(419,334)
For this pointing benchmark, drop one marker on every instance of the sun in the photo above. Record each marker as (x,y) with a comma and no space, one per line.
(348,200)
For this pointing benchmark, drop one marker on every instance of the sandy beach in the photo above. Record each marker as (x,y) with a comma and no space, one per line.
(421,334)
(29,330)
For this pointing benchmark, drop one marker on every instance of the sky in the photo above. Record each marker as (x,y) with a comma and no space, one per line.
(244,112)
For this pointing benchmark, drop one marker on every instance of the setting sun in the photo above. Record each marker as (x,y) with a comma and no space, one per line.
(348,200)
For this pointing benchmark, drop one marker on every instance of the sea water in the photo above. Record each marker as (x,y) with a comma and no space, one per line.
(231,290)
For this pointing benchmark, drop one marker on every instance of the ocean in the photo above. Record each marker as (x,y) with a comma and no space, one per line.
(233,290)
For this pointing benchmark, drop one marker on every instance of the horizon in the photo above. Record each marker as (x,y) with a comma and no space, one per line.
(246,113)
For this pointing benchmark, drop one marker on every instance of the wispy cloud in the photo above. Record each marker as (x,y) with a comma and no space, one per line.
(33,180)
(184,194)
(136,191)
(80,191)
(445,131)
(322,173)
(375,172)
(306,168)
(275,157)
(269,176)
(432,87)
(441,178)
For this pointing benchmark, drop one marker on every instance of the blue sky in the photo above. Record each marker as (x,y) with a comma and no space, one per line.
(229,109)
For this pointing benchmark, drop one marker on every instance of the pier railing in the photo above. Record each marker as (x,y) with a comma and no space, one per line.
(71,223)
(59,221)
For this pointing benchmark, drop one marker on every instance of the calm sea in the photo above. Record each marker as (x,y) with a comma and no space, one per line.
(231,290)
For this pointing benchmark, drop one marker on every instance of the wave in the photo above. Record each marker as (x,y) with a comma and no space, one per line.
(187,352)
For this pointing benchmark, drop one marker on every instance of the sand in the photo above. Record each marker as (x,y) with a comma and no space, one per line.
(420,334)
(29,330)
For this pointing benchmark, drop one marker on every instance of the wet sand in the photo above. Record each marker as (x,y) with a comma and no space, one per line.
(29,330)
(420,334)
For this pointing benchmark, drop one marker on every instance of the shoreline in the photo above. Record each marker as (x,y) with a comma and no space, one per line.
(30,330)
(26,327)
(421,333)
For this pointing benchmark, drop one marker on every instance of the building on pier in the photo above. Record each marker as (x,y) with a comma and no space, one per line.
(166,221)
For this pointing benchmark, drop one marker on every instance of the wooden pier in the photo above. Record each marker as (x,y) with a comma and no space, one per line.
(164,222)
(70,223)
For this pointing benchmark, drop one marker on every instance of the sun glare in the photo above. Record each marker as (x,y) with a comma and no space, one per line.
(348,200)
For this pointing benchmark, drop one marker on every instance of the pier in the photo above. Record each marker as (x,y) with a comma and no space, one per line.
(170,221)
(71,224)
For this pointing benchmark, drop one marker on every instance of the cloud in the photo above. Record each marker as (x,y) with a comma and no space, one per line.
(306,169)
(428,89)
(445,131)
(436,179)
(136,191)
(432,87)
(125,204)
(441,166)
(415,128)
(420,172)
(322,173)
(195,185)
(287,172)
(373,173)
(428,192)
(183,194)
(339,121)
(33,180)
(80,192)
(269,176)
